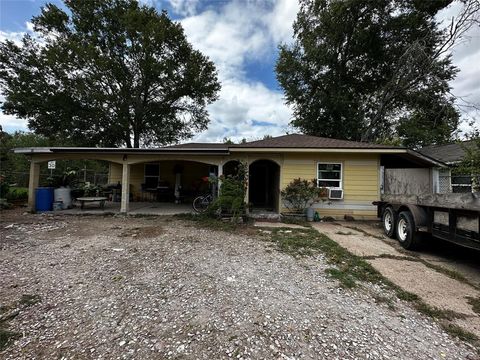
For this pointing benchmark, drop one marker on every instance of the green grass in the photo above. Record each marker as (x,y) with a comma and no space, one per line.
(364,232)
(7,337)
(380,299)
(436,313)
(29,300)
(460,333)
(295,221)
(347,280)
(208,222)
(475,302)
(349,269)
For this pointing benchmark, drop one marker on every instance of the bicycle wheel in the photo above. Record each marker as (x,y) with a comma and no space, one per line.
(200,204)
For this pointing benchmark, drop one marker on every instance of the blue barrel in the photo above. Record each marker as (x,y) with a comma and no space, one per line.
(44,199)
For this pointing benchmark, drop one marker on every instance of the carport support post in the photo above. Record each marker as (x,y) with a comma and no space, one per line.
(125,188)
(220,173)
(33,182)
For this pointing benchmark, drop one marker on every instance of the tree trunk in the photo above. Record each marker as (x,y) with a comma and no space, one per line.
(136,140)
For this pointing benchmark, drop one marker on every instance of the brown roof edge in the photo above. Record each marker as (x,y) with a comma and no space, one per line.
(312,142)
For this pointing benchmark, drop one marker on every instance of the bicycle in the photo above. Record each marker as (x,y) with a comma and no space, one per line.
(201,203)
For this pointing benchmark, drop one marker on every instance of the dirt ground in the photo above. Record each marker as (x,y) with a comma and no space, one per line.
(113,287)
(444,275)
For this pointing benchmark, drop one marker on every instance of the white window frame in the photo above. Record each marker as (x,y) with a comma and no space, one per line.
(145,176)
(339,180)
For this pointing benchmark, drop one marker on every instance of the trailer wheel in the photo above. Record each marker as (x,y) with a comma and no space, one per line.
(406,234)
(389,222)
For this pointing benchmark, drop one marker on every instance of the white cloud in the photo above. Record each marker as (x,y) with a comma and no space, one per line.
(11,123)
(184,7)
(233,35)
(246,110)
(15,36)
(281,19)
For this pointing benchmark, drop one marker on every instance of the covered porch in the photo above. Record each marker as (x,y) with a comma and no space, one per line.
(145,181)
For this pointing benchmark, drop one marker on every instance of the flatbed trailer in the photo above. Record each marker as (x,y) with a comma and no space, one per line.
(451,217)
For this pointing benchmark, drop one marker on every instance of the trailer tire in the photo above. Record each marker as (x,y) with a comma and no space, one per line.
(406,231)
(389,222)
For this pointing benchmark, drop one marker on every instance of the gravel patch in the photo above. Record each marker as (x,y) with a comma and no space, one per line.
(142,288)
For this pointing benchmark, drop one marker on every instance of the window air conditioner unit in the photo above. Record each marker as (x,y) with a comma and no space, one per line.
(335,194)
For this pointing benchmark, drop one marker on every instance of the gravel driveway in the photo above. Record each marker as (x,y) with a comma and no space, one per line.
(113,287)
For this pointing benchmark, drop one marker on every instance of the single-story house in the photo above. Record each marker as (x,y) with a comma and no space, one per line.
(355,169)
(451,155)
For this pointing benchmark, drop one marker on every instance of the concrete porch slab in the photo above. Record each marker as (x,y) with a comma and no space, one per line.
(135,208)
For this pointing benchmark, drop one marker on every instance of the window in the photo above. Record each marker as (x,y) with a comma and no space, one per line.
(152,175)
(329,175)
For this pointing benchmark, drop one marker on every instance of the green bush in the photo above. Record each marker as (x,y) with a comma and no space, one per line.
(66,178)
(301,193)
(231,199)
(17,194)
(4,187)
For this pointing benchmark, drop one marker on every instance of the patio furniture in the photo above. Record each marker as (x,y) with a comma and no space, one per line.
(90,199)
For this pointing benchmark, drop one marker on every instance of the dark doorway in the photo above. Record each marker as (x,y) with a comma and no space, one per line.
(231,168)
(264,185)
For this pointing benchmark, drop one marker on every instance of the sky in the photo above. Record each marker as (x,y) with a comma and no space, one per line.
(241,37)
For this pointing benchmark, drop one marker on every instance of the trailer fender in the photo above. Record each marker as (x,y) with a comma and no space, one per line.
(419,214)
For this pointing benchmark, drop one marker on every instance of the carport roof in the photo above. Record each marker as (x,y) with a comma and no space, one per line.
(223,150)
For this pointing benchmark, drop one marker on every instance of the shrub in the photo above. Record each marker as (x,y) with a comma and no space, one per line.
(17,194)
(231,199)
(67,178)
(301,193)
(4,187)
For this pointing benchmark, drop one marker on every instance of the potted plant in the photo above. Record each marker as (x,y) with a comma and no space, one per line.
(63,185)
(299,195)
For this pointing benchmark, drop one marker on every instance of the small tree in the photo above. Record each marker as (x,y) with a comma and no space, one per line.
(301,193)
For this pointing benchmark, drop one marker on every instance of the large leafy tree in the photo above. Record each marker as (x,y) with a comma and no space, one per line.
(374,70)
(108,72)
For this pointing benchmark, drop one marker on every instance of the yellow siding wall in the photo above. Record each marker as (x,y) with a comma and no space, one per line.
(360,178)
(115,173)
(360,181)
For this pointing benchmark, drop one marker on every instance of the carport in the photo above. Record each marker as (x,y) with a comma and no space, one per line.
(127,166)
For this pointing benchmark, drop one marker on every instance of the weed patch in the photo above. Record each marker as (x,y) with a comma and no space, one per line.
(349,268)
(344,278)
(344,233)
(364,232)
(208,222)
(437,313)
(459,332)
(384,300)
(29,300)
(295,221)
(7,337)
(475,302)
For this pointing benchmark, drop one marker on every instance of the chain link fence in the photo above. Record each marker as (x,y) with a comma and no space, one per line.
(458,183)
(20,179)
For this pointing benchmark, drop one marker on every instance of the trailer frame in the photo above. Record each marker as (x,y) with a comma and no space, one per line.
(451,217)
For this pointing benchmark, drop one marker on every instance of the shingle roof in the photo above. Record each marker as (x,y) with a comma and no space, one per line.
(307,141)
(449,153)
